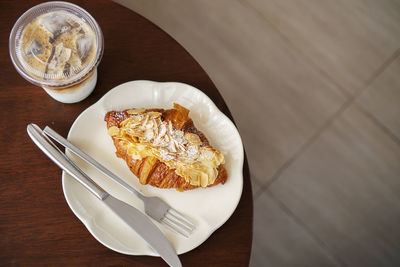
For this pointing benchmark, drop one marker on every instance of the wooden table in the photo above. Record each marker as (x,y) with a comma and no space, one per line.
(36,224)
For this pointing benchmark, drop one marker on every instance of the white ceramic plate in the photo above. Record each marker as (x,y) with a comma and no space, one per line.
(209,208)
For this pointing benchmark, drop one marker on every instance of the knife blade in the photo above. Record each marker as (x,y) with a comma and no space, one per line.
(148,231)
(135,219)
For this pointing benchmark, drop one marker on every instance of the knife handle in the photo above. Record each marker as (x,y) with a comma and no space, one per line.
(47,131)
(56,155)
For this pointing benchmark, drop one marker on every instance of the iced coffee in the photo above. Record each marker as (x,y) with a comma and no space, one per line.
(59,50)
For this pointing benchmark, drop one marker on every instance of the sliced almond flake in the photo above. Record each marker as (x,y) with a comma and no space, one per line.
(155,127)
(113,131)
(154,114)
(204,180)
(170,126)
(135,111)
(145,120)
(180,151)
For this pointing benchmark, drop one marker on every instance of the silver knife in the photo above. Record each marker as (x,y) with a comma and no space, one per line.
(130,215)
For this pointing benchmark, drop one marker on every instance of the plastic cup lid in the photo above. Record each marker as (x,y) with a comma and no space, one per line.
(56,44)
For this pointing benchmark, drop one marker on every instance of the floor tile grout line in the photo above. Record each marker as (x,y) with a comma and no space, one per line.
(260,190)
(330,120)
(298,221)
(377,122)
(265,187)
(308,143)
(379,71)
(352,100)
(368,114)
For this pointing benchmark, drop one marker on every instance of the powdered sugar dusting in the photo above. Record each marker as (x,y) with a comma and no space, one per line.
(146,134)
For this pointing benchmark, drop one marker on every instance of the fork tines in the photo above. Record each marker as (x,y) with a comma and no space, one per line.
(178,223)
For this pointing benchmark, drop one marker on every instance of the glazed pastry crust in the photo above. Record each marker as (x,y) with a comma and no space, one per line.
(150,170)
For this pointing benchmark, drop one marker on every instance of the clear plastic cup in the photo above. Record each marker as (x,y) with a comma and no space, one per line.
(58,46)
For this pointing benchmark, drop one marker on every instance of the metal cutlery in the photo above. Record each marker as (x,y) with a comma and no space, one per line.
(155,207)
(136,220)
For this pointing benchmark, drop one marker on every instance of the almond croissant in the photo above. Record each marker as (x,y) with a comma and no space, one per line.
(163,148)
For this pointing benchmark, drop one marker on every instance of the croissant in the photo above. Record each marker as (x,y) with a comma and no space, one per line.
(163,148)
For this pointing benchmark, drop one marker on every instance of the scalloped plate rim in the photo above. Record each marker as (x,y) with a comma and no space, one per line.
(86,220)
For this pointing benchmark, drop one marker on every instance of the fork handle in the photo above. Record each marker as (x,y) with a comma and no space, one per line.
(64,142)
(56,155)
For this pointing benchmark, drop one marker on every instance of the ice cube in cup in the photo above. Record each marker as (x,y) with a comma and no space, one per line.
(60,59)
(53,22)
(84,44)
(56,23)
(35,48)
(58,46)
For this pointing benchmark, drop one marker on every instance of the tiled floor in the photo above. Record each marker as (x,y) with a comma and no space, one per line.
(314,87)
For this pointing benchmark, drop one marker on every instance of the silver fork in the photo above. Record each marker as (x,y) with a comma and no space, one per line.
(154,207)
